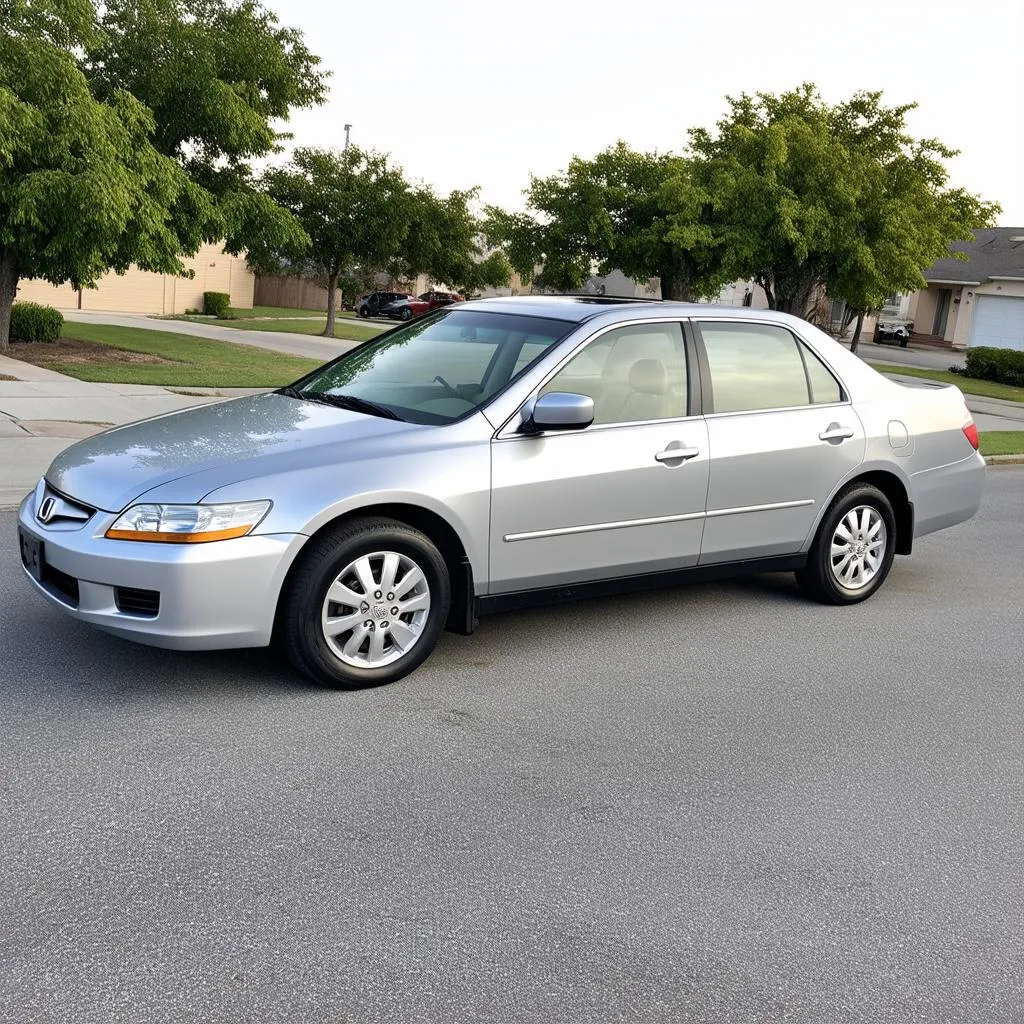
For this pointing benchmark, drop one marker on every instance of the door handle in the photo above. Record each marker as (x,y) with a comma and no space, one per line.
(679,454)
(835,433)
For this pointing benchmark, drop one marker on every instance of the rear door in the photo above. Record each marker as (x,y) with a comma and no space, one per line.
(782,434)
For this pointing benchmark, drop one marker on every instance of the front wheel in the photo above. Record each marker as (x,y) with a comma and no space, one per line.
(365,605)
(364,312)
(406,313)
(853,550)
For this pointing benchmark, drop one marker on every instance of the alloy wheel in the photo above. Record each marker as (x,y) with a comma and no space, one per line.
(376,609)
(858,547)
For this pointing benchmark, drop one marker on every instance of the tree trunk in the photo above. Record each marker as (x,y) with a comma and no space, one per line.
(332,286)
(675,288)
(8,290)
(856,331)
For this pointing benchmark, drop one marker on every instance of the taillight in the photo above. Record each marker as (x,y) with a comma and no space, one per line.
(971,433)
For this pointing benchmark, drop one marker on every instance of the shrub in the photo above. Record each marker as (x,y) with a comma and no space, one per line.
(217,304)
(1003,365)
(32,322)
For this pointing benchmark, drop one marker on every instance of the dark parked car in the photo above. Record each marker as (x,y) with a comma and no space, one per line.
(408,307)
(374,303)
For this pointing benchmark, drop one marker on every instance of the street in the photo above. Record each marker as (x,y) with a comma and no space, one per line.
(717,803)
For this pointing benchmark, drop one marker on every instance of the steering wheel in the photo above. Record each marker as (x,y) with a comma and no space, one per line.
(452,391)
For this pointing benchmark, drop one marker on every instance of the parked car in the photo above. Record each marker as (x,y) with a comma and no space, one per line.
(406,309)
(494,454)
(373,303)
(893,333)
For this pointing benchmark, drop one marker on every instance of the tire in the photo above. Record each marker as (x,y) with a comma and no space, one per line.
(336,561)
(407,313)
(819,580)
(364,313)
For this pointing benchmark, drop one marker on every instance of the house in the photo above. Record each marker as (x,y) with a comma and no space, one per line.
(139,291)
(979,301)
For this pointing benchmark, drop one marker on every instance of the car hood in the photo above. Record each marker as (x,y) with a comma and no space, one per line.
(235,440)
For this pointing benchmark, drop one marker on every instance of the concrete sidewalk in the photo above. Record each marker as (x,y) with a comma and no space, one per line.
(308,345)
(42,412)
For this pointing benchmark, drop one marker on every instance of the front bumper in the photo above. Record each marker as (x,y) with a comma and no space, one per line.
(216,595)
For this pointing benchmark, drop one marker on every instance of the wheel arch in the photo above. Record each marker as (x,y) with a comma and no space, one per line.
(903,508)
(443,535)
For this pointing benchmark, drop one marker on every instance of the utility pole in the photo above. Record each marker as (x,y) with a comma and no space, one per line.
(347,127)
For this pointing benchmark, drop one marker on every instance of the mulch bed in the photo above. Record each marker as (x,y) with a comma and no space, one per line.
(67,350)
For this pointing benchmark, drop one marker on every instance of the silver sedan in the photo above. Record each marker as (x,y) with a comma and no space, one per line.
(494,454)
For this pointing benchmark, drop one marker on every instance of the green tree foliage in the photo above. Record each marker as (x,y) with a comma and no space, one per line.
(82,189)
(810,196)
(444,242)
(362,216)
(217,75)
(354,206)
(645,214)
(126,139)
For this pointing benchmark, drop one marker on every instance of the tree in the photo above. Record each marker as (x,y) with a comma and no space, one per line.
(645,214)
(444,242)
(810,196)
(82,189)
(127,140)
(354,206)
(217,75)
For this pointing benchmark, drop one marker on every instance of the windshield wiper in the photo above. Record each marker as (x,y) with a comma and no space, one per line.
(350,402)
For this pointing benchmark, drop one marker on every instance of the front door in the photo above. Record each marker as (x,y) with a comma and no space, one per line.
(613,499)
(781,436)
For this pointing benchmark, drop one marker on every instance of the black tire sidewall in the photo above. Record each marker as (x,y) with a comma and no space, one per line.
(819,570)
(303,637)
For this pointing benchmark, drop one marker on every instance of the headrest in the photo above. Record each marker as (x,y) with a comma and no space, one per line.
(648,376)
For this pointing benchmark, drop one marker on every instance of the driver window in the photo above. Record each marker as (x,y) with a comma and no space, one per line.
(633,373)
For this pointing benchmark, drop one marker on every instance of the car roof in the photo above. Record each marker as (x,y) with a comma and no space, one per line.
(580,308)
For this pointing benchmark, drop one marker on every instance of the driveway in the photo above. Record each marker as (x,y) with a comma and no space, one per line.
(708,804)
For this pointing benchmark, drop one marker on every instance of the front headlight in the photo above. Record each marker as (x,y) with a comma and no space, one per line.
(188,524)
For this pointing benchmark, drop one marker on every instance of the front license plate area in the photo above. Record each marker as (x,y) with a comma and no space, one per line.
(32,555)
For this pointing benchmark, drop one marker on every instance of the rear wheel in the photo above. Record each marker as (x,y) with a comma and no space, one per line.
(364,312)
(407,313)
(854,547)
(366,604)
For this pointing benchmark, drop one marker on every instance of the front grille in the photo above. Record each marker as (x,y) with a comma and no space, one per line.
(144,603)
(58,510)
(65,585)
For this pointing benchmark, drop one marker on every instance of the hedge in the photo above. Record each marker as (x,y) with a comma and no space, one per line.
(32,322)
(217,304)
(1002,365)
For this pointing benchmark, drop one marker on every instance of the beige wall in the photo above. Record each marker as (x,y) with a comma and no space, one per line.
(139,291)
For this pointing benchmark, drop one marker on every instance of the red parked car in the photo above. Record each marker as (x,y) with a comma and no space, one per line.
(406,309)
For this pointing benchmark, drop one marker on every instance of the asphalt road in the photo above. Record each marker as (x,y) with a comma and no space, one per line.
(716,803)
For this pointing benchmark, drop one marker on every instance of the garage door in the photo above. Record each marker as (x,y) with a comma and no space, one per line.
(998,321)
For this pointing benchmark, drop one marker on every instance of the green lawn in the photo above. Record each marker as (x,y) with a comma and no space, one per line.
(132,355)
(344,329)
(283,312)
(1002,442)
(968,385)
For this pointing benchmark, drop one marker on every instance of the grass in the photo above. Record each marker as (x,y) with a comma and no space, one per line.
(1002,442)
(132,355)
(345,331)
(968,385)
(283,312)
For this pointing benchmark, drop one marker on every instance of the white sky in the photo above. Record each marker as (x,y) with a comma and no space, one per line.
(464,93)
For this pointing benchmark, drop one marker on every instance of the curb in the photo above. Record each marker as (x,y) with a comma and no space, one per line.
(1004,460)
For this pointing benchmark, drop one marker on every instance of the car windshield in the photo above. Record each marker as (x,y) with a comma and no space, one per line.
(437,369)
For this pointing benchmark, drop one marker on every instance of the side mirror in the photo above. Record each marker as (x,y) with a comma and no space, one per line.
(558,410)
